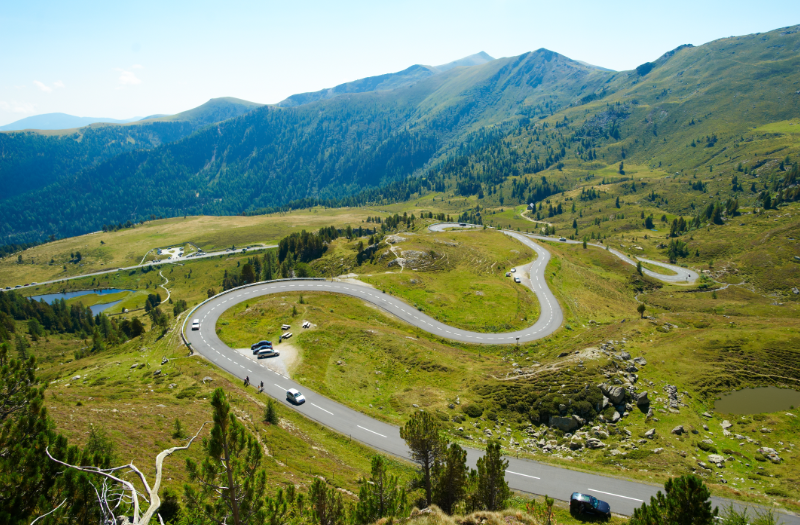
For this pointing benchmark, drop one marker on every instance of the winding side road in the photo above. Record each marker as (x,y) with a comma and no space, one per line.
(522,474)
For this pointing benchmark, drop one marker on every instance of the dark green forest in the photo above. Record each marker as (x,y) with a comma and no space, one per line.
(503,133)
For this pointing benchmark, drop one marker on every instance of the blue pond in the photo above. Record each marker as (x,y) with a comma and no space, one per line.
(96,308)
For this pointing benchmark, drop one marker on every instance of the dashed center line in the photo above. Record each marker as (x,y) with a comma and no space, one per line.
(368,430)
(616,495)
(523,475)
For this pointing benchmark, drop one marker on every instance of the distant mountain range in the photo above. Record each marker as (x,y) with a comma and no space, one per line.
(50,121)
(385,82)
(426,128)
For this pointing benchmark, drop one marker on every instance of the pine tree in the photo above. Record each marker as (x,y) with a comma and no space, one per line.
(686,502)
(271,412)
(230,478)
(492,488)
(452,476)
(379,496)
(327,506)
(421,434)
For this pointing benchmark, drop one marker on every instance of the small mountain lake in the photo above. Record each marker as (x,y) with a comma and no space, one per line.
(97,304)
(758,400)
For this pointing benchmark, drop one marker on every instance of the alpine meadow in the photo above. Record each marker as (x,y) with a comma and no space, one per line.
(502,291)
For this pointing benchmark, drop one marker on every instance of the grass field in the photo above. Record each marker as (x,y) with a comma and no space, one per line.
(117,392)
(456,277)
(101,251)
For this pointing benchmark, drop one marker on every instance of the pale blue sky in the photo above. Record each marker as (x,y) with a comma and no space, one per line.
(123,59)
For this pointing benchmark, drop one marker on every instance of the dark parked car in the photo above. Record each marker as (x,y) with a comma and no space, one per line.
(586,504)
(260,345)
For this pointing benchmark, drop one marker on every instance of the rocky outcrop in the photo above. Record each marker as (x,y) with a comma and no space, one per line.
(650,434)
(565,424)
(677,430)
(593,443)
(615,394)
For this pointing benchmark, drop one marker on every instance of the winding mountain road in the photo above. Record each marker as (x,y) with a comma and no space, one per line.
(522,474)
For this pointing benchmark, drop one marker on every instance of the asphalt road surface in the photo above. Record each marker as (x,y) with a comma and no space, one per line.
(166,261)
(522,474)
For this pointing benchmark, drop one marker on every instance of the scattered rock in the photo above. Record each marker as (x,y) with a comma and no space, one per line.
(415,405)
(650,434)
(716,459)
(172,385)
(207,379)
(164,360)
(157,372)
(76,378)
(642,400)
(563,354)
(625,356)
(641,361)
(706,414)
(770,453)
(576,444)
(658,450)
(677,430)
(616,417)
(726,424)
(703,465)
(593,443)
(451,406)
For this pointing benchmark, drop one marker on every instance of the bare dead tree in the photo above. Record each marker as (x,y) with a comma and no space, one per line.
(116,493)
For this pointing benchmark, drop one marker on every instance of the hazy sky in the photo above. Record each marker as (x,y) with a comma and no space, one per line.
(124,59)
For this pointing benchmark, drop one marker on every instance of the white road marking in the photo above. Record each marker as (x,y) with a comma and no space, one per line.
(368,430)
(523,475)
(616,495)
(279,386)
(319,407)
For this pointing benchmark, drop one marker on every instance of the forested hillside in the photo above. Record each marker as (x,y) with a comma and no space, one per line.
(693,111)
(30,160)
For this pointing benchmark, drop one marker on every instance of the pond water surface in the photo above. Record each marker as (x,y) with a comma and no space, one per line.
(758,400)
(95,308)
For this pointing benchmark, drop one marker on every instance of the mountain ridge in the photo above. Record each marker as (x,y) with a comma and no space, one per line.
(56,121)
(396,139)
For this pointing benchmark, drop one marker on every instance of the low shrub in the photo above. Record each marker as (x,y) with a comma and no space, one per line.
(473,410)
(707,448)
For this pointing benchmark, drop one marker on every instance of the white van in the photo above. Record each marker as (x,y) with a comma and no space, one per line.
(196,324)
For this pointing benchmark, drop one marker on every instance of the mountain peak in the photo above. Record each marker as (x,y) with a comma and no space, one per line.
(472,60)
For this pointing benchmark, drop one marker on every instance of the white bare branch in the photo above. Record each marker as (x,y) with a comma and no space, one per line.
(109,500)
(52,511)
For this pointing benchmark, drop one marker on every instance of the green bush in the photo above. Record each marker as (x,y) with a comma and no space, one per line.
(706,447)
(473,410)
(491,415)
(637,454)
(760,457)
(773,491)
(188,392)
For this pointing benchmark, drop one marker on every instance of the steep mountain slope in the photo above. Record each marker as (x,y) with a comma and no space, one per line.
(692,108)
(49,121)
(31,160)
(385,82)
(331,148)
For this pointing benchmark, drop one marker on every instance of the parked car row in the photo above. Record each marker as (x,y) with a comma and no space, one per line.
(264,349)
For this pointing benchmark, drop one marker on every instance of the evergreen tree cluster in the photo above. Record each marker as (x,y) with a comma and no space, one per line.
(60,317)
